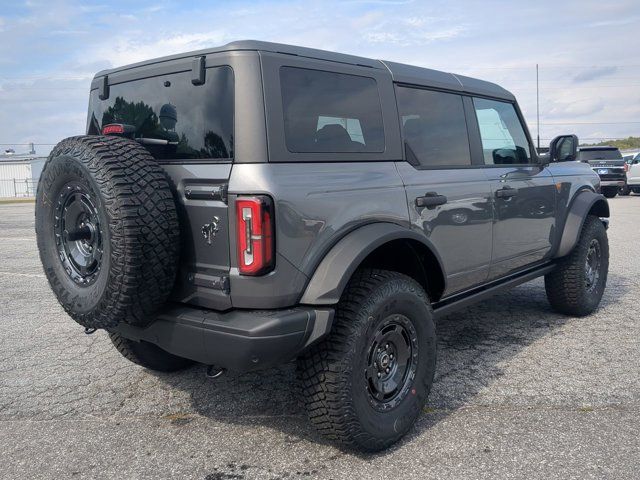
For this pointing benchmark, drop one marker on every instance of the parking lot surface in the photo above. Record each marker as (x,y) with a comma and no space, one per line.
(520,392)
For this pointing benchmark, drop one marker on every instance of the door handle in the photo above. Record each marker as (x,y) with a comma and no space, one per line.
(506,192)
(431,200)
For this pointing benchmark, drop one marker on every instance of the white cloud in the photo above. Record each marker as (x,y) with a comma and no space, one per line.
(495,41)
(135,47)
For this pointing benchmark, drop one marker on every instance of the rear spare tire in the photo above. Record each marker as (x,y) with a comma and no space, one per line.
(107,231)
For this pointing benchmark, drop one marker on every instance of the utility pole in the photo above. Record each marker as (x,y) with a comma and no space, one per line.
(538,103)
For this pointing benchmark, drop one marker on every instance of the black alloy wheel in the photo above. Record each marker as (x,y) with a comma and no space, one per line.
(392,362)
(78,233)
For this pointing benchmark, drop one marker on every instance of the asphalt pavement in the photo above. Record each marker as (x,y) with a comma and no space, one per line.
(520,392)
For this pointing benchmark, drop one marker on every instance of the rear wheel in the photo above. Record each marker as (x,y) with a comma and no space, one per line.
(624,191)
(610,192)
(576,286)
(148,355)
(367,382)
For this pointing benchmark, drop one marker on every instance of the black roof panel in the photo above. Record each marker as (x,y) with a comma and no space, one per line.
(400,72)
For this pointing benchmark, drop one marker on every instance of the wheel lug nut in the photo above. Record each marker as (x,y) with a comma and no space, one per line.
(386,347)
(391,356)
(387,370)
(379,374)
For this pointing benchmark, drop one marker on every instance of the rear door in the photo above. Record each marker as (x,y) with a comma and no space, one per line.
(448,196)
(188,127)
(523,190)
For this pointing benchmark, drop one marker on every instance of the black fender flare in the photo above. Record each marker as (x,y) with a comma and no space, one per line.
(580,207)
(338,265)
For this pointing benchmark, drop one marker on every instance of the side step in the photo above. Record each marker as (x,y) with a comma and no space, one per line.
(464,299)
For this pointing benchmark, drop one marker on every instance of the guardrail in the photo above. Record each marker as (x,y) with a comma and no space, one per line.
(18,187)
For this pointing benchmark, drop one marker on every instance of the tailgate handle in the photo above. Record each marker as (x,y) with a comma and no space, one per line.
(206,192)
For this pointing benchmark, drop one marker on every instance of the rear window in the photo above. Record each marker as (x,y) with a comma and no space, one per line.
(599,154)
(171,117)
(327,112)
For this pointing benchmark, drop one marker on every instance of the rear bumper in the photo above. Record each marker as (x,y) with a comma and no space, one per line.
(613,183)
(238,340)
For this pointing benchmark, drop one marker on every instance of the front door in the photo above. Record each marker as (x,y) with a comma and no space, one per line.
(523,191)
(448,196)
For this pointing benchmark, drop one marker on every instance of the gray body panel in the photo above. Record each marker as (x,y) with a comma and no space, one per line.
(460,230)
(524,225)
(316,204)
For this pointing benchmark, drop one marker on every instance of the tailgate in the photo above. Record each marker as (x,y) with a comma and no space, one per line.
(201,197)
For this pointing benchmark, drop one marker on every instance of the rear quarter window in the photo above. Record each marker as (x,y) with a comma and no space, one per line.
(171,117)
(327,112)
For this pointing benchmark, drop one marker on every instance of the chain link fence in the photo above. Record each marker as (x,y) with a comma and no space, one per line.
(18,187)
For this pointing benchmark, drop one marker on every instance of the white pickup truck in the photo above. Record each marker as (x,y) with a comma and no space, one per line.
(633,174)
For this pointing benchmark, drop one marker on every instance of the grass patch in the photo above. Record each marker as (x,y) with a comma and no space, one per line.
(428,410)
(4,201)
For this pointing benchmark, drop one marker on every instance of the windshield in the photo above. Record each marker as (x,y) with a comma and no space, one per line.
(599,154)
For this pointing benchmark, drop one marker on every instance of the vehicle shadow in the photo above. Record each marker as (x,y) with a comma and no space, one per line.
(474,346)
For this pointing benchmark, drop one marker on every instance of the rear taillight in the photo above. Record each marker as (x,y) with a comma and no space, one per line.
(254,220)
(626,167)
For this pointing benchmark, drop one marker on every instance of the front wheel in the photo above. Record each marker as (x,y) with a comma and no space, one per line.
(367,382)
(576,286)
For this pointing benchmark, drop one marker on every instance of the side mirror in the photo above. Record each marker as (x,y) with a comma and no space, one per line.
(563,148)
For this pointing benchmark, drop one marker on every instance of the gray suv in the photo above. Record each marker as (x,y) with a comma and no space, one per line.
(256,203)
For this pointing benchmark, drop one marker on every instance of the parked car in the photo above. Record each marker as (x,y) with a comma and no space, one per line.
(633,174)
(607,162)
(625,190)
(256,203)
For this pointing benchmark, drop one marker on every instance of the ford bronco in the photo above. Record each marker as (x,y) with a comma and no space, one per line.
(257,203)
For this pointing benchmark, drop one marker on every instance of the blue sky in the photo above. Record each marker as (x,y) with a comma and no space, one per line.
(587,50)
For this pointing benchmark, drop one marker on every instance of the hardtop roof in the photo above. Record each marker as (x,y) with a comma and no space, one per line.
(401,73)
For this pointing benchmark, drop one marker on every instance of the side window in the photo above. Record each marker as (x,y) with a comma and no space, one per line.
(327,112)
(434,127)
(503,139)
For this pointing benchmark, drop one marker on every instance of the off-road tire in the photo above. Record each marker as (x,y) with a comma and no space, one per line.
(566,286)
(334,389)
(136,217)
(609,192)
(148,355)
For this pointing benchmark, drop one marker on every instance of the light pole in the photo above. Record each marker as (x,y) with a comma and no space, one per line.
(538,103)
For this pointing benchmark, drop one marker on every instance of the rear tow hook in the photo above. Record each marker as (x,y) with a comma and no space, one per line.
(215,372)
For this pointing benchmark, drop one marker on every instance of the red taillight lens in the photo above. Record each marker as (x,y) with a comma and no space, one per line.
(254,220)
(113,129)
(626,167)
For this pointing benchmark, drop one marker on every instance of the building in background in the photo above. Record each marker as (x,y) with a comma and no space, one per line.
(19,173)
